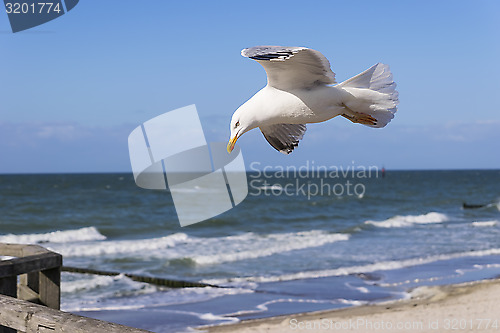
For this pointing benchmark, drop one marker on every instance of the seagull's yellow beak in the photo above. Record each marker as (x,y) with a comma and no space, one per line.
(231,143)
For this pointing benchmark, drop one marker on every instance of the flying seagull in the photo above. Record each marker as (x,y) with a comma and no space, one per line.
(301,89)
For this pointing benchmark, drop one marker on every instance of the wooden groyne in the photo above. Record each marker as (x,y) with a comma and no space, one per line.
(141,278)
(30,295)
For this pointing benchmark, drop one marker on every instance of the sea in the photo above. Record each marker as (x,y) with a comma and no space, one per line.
(302,240)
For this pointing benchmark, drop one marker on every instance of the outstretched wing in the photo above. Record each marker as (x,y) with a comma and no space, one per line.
(292,67)
(284,137)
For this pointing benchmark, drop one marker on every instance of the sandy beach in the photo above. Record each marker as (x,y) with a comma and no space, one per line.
(469,307)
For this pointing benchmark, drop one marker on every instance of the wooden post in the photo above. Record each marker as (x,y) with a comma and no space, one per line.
(33,281)
(27,290)
(49,287)
(8,286)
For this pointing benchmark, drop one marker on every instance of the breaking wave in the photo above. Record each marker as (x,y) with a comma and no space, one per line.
(253,246)
(369,268)
(120,247)
(485,223)
(399,221)
(60,236)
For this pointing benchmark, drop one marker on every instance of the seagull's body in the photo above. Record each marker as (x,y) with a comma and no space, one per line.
(301,90)
(297,106)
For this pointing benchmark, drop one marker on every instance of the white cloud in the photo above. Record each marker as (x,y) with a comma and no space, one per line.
(61,132)
(62,147)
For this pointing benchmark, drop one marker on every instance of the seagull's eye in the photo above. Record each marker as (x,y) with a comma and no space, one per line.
(237,124)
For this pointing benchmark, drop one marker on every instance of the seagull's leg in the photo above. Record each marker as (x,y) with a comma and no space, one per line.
(359,118)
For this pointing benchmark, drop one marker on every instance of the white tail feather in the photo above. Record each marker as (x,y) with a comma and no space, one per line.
(374,93)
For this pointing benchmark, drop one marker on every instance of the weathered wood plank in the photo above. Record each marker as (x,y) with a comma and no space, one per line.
(32,263)
(8,286)
(6,268)
(31,249)
(25,293)
(49,287)
(4,329)
(27,288)
(33,281)
(21,250)
(28,317)
(11,250)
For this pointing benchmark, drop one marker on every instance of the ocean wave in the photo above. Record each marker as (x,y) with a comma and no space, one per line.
(203,250)
(60,236)
(495,204)
(252,246)
(263,307)
(399,221)
(139,295)
(120,247)
(196,189)
(369,268)
(485,223)
(88,282)
(275,187)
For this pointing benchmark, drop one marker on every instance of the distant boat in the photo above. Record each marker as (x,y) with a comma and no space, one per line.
(469,206)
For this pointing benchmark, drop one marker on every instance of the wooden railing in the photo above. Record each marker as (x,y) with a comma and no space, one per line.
(39,270)
(27,317)
(32,305)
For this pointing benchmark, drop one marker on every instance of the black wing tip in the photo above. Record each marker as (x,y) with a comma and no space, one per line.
(270,52)
(284,137)
(273,56)
(289,149)
(280,146)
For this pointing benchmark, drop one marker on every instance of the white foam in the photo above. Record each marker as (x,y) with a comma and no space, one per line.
(485,223)
(212,317)
(120,247)
(399,221)
(265,306)
(495,204)
(251,246)
(196,189)
(275,187)
(486,266)
(139,295)
(378,266)
(202,250)
(66,236)
(361,289)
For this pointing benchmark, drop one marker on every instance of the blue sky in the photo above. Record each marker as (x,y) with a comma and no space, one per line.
(74,88)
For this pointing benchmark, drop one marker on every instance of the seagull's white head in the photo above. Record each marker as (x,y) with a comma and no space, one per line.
(241,122)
